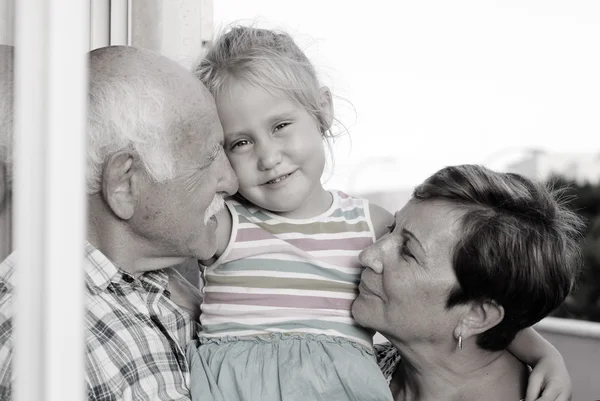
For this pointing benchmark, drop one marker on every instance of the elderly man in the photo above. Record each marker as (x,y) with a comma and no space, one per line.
(156,176)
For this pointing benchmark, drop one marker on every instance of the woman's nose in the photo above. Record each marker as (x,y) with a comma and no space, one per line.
(370,258)
(269,156)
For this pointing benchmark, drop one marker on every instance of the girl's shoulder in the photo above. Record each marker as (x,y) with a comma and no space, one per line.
(341,200)
(380,217)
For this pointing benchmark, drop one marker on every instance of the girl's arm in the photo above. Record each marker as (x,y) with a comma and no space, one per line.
(549,380)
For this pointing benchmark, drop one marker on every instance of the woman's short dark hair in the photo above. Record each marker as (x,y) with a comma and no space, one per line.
(519,245)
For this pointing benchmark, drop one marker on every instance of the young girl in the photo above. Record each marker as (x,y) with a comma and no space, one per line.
(276,321)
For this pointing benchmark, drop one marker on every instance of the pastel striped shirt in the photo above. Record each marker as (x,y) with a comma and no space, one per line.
(281,275)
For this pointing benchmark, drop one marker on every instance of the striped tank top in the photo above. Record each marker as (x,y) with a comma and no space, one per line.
(281,275)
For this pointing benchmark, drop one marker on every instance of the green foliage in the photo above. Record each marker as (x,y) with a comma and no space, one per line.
(584,301)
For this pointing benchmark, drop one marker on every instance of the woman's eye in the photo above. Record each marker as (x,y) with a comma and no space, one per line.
(281,126)
(405,251)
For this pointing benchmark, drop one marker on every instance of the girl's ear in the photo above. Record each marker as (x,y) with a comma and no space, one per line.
(326,107)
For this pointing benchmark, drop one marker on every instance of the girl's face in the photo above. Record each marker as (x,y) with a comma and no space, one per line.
(276,149)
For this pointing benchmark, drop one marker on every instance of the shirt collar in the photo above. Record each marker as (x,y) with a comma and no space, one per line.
(101,271)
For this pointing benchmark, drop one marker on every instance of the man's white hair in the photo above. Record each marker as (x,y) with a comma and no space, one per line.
(127,113)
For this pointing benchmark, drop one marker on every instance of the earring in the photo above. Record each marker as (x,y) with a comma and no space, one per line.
(460,342)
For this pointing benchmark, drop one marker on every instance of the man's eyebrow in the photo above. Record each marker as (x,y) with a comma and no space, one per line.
(412,236)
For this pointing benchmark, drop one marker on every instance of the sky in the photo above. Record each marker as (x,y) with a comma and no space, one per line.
(424,84)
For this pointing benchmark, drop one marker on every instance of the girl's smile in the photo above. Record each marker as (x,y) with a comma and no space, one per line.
(279,179)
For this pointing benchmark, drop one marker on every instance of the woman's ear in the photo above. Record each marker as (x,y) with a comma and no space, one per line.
(326,106)
(120,184)
(479,318)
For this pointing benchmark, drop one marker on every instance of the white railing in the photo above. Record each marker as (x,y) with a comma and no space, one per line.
(571,327)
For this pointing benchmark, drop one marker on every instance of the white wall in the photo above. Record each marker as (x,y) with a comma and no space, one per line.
(176,28)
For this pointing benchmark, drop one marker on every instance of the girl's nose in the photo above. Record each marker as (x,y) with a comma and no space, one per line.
(370,258)
(269,157)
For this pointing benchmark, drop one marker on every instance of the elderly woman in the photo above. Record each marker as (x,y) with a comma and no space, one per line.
(473,258)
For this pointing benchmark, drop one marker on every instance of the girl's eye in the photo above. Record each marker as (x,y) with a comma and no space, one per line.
(241,143)
(281,126)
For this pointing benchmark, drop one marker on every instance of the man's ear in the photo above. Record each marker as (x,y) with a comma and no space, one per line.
(479,318)
(326,105)
(120,184)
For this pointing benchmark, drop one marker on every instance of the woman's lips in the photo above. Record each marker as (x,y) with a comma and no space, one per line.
(362,287)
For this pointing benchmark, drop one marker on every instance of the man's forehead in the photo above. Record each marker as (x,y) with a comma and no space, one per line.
(200,125)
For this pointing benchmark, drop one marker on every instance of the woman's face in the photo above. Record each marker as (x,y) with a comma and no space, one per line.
(409,274)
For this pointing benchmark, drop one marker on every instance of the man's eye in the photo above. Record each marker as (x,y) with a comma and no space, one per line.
(391,227)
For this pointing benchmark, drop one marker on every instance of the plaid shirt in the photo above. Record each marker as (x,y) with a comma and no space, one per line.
(135,336)
(6,346)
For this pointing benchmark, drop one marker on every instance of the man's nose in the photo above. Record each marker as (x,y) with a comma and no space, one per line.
(269,156)
(370,258)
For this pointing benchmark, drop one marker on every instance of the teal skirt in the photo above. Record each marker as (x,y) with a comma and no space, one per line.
(284,367)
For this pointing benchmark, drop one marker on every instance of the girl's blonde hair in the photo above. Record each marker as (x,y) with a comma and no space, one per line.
(267,59)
